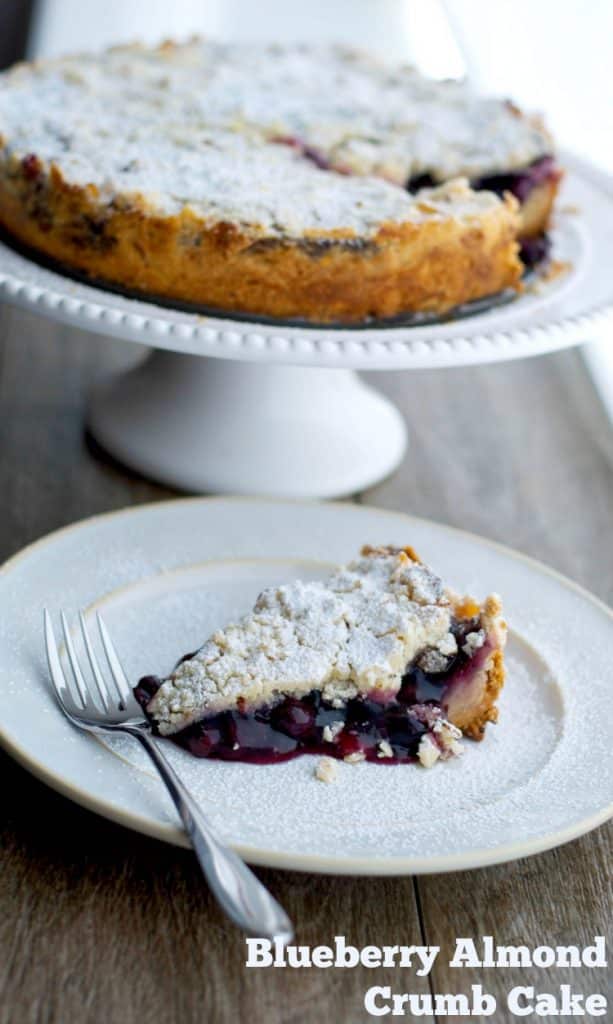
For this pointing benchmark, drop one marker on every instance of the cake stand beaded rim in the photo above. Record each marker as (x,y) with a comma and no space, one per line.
(471,339)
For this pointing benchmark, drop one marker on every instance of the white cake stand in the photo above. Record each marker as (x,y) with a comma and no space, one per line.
(228,405)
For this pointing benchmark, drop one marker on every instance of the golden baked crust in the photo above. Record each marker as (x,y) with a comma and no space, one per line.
(428,267)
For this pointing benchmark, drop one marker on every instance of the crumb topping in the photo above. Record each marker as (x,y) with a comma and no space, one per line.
(283,140)
(352,634)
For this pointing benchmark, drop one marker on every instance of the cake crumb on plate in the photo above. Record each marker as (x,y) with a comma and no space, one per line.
(326,770)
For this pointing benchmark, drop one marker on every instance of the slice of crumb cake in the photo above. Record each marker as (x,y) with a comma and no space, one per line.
(380,662)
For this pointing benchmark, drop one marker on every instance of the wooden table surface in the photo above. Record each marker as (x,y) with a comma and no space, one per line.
(99,924)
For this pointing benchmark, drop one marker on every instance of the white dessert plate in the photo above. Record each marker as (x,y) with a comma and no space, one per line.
(167,574)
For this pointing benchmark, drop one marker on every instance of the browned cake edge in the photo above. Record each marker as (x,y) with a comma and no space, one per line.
(429,267)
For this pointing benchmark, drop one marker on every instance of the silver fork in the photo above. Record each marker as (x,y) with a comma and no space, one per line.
(100,708)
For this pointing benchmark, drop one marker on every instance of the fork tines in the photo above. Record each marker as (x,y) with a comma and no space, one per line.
(81,691)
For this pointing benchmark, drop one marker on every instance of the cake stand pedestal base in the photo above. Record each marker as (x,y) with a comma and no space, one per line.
(202,424)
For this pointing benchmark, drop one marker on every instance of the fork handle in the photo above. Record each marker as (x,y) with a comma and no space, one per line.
(243,897)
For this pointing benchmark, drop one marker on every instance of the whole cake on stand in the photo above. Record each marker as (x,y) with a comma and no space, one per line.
(279,208)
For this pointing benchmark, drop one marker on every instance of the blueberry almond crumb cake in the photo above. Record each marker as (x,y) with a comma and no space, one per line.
(380,662)
(282,181)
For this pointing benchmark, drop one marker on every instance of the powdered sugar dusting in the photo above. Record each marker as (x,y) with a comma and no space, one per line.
(242,133)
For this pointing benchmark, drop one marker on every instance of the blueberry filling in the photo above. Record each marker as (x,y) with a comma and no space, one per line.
(519,182)
(386,732)
(311,153)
